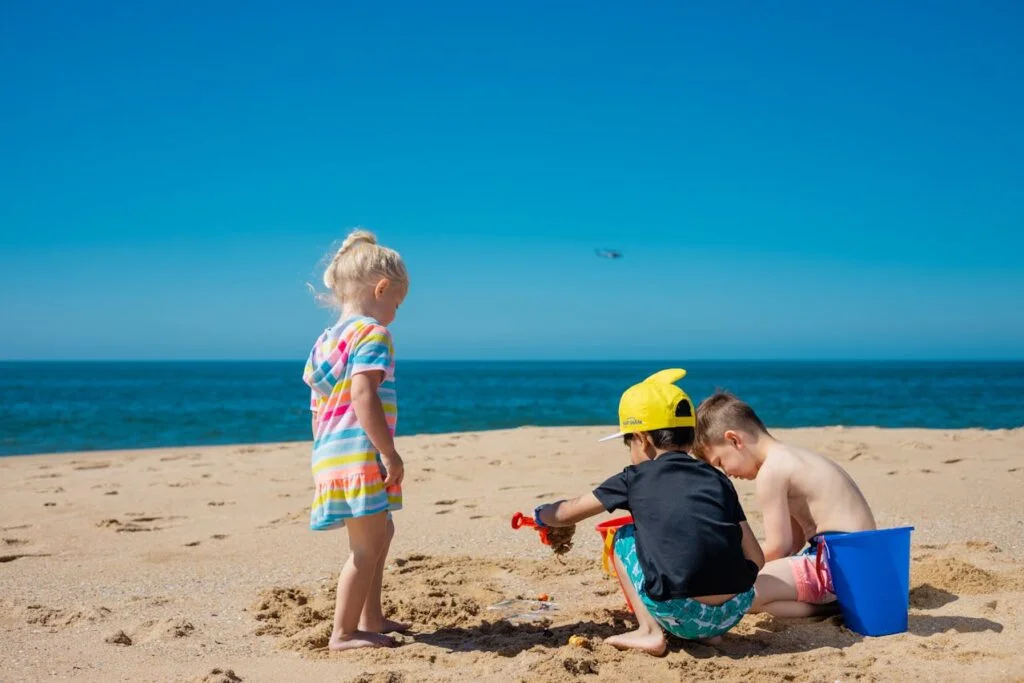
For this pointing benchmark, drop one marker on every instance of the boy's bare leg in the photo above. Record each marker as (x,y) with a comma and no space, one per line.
(776,593)
(648,636)
(372,617)
(367,541)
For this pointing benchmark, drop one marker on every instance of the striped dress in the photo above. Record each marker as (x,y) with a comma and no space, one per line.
(347,468)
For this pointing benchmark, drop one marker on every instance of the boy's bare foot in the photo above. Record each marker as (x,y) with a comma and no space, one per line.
(358,639)
(386,626)
(651,642)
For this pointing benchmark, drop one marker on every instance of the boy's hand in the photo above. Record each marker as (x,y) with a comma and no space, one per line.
(395,468)
(568,512)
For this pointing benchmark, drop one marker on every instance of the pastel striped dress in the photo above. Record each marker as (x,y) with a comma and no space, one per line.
(347,469)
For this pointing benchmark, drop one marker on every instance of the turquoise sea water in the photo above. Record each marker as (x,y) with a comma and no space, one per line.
(53,407)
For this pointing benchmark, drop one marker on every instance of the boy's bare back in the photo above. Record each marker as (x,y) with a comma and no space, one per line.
(801,494)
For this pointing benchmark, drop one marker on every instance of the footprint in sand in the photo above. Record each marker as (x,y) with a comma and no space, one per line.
(193,544)
(445,502)
(442,512)
(478,516)
(219,537)
(986,546)
(290,518)
(951,461)
(11,558)
(15,541)
(928,471)
(90,465)
(118,638)
(138,522)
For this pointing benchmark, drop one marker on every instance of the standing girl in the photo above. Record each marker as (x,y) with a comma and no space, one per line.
(356,469)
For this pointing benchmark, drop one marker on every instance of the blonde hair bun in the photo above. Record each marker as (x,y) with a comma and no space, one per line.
(361,261)
(358,236)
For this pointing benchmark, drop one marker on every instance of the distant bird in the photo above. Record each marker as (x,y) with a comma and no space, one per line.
(609,253)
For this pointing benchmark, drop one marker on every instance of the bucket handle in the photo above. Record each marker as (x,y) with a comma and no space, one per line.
(606,563)
(821,555)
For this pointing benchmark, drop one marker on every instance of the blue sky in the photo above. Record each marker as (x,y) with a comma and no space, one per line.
(814,180)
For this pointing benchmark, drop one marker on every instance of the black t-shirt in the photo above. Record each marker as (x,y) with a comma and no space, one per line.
(687,516)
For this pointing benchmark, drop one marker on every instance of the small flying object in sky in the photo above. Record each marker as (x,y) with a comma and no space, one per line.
(609,253)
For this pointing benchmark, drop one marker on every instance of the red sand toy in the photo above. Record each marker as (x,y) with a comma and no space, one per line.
(520,520)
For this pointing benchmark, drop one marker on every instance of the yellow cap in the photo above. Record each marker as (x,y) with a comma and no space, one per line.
(652,405)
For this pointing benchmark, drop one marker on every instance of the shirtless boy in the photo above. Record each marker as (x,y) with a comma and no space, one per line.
(801,495)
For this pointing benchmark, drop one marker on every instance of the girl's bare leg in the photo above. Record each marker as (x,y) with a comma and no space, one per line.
(372,616)
(368,540)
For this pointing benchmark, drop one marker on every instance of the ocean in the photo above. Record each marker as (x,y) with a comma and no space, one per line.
(48,407)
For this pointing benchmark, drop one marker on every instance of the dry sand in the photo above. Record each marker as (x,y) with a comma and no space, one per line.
(196,564)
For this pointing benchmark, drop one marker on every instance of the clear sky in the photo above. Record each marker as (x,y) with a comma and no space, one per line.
(786,180)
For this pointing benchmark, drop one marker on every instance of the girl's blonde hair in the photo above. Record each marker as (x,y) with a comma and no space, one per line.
(361,262)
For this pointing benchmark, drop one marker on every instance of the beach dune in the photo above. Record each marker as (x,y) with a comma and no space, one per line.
(196,564)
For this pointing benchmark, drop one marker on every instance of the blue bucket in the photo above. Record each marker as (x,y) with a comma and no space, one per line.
(871,575)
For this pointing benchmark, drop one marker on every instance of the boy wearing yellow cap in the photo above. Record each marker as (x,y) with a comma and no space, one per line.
(689,561)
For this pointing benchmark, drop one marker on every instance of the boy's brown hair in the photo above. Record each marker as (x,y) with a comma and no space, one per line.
(719,413)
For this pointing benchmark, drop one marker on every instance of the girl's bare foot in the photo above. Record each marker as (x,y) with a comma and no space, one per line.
(651,642)
(358,639)
(385,626)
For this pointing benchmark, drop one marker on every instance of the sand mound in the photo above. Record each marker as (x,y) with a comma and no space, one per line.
(564,668)
(162,629)
(288,611)
(955,576)
(60,618)
(434,609)
(220,676)
(381,677)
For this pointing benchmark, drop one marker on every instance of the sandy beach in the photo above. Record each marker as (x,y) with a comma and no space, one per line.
(196,564)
